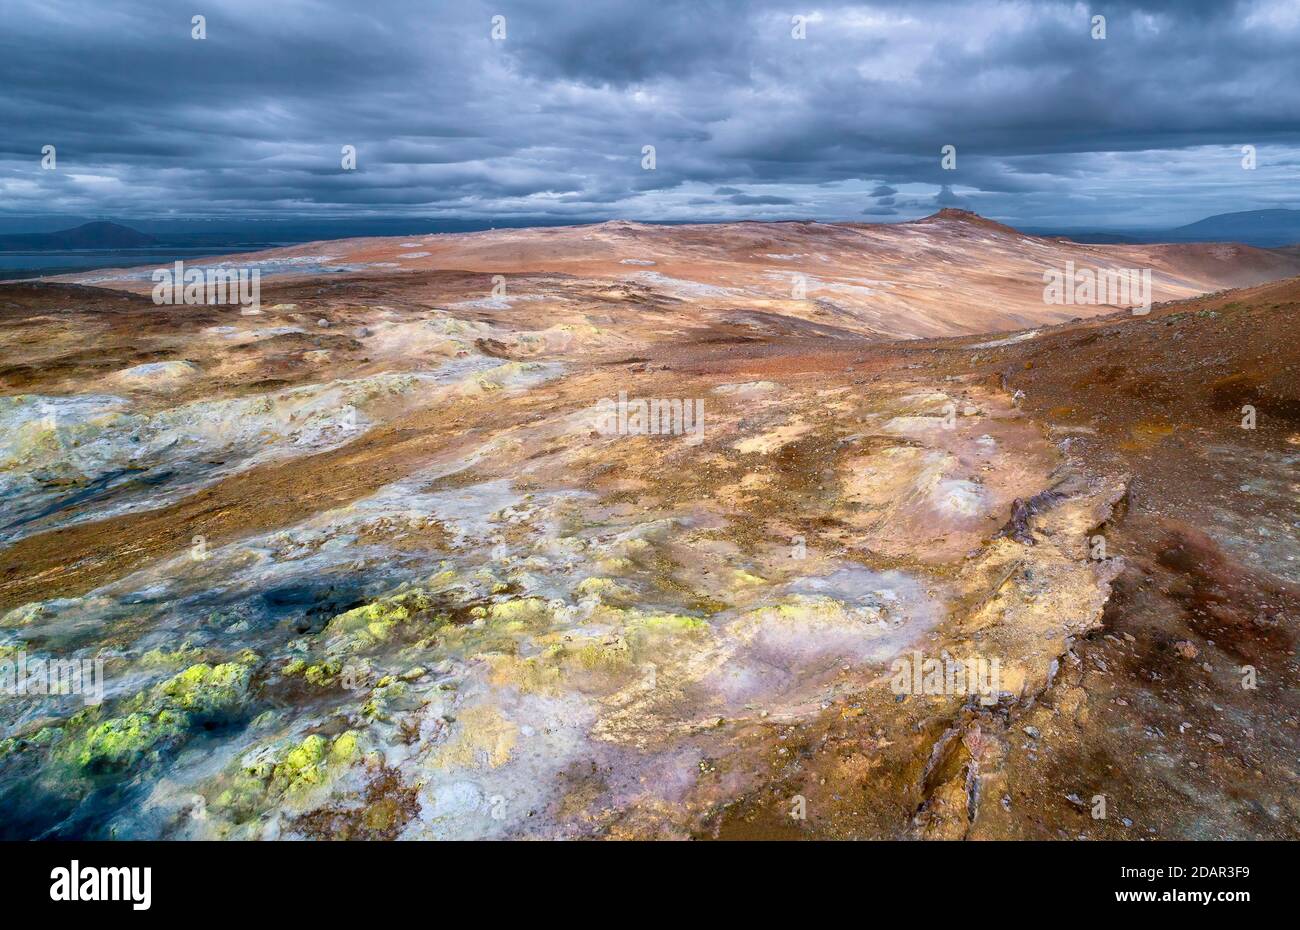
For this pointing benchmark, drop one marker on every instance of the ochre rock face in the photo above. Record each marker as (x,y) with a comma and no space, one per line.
(751,530)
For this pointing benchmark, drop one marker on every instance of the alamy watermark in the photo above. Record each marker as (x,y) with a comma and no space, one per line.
(214,285)
(1114,287)
(655,416)
(21,676)
(974,676)
(76,882)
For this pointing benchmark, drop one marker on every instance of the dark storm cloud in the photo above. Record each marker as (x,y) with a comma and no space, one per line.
(1050,125)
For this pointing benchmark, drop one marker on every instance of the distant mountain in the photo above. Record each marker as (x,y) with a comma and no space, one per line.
(1263,228)
(87,236)
(1253,227)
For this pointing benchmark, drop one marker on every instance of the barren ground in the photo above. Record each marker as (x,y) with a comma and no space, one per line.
(363,564)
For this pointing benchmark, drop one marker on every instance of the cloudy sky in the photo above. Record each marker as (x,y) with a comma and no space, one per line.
(1052,128)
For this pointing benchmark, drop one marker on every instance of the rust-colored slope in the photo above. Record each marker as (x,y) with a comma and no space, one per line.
(953,272)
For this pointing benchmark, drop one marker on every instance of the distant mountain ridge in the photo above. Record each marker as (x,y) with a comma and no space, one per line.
(1262,228)
(1254,227)
(98,235)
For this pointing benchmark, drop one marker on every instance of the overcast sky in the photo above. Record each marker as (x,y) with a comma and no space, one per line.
(1052,127)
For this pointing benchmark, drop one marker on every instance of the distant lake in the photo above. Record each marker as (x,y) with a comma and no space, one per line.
(40,264)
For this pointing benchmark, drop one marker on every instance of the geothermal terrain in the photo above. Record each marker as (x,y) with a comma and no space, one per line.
(362,562)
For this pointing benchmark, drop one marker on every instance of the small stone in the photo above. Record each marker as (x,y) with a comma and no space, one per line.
(1186,649)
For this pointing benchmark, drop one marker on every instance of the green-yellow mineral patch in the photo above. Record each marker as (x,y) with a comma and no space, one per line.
(385,619)
(205,690)
(303,764)
(606,590)
(616,565)
(671,624)
(157,719)
(183,655)
(283,769)
(322,674)
(519,613)
(121,742)
(607,656)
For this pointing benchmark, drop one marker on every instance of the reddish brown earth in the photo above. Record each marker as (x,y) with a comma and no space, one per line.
(1149,710)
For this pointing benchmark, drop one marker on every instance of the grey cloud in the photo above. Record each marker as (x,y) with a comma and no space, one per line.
(752,200)
(1050,125)
(946,198)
